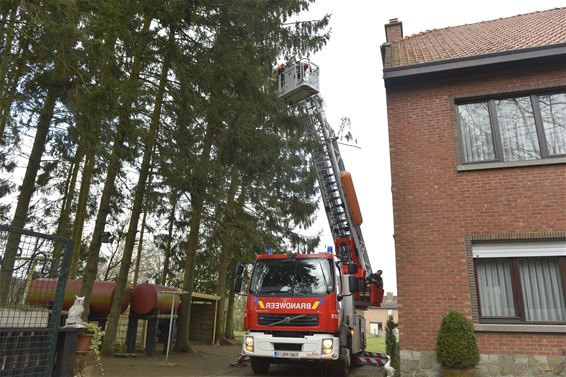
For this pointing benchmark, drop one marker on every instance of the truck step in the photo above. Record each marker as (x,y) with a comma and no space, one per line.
(377,361)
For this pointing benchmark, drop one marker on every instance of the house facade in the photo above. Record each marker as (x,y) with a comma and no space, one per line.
(477,129)
(376,317)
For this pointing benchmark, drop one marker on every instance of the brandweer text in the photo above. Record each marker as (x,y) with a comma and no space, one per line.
(288,305)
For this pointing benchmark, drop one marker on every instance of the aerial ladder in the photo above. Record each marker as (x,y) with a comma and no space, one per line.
(298,86)
(309,306)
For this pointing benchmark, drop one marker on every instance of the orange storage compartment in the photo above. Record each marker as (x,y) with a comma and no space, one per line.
(351,197)
(147,298)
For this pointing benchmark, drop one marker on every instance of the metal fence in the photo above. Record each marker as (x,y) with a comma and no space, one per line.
(34,268)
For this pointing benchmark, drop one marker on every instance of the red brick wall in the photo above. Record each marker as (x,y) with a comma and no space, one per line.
(524,344)
(436,207)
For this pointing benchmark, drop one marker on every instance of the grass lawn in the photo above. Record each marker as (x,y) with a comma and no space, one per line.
(373,344)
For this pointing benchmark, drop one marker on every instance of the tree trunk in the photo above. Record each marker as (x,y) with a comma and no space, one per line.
(140,249)
(68,196)
(7,49)
(26,191)
(197,205)
(114,168)
(227,245)
(80,216)
(112,325)
(142,228)
(13,79)
(188,282)
(166,262)
(229,332)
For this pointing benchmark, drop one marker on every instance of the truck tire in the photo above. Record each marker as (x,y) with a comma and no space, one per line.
(343,364)
(342,368)
(260,365)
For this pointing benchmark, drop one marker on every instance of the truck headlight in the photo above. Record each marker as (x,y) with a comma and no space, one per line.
(327,346)
(249,343)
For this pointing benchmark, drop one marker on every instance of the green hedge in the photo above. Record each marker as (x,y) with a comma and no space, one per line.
(456,345)
(391,345)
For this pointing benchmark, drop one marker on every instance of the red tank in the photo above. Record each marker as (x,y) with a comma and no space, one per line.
(146,298)
(102,296)
(41,292)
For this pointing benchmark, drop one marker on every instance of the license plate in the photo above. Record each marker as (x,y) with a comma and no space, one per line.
(288,355)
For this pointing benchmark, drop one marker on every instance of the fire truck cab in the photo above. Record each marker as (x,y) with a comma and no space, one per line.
(294,307)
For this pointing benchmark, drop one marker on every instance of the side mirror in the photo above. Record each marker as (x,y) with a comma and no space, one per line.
(239,269)
(239,277)
(354,283)
(352,268)
(238,284)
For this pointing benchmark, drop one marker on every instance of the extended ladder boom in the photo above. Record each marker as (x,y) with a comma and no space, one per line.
(298,86)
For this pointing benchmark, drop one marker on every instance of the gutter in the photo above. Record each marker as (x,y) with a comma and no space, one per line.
(548,51)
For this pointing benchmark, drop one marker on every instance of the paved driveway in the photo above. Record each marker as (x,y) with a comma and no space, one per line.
(210,361)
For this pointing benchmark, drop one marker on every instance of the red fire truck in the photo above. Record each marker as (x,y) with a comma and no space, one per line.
(308,307)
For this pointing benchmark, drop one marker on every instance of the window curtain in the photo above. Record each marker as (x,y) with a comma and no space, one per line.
(475,127)
(553,112)
(518,130)
(495,290)
(542,289)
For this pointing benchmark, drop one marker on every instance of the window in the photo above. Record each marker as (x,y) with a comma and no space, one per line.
(513,129)
(375,328)
(521,281)
(310,276)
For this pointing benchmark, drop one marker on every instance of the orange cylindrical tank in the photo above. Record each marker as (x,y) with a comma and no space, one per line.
(351,197)
(146,298)
(41,292)
(375,295)
(103,295)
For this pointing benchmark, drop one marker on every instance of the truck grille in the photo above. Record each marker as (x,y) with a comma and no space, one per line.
(268,319)
(287,347)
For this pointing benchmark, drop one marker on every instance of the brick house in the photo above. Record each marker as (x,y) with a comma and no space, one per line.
(477,132)
(376,317)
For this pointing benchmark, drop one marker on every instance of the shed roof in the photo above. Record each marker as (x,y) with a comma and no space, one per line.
(537,29)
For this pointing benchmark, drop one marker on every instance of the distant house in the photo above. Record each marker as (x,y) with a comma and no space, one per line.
(376,317)
(477,128)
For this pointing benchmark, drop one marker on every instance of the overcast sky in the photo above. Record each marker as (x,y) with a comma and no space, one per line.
(352,85)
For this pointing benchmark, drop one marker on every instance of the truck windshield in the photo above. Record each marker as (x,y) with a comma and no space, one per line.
(292,277)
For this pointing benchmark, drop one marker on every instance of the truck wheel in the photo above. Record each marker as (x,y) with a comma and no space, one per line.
(343,364)
(260,365)
(342,368)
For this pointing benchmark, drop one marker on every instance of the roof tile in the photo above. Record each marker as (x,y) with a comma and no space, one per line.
(535,29)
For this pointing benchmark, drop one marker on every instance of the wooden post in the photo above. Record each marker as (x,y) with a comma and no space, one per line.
(66,348)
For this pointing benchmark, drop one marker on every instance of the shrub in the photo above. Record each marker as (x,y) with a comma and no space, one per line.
(95,340)
(391,345)
(456,345)
(83,364)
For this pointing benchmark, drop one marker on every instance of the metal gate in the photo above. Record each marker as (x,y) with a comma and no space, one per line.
(34,268)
